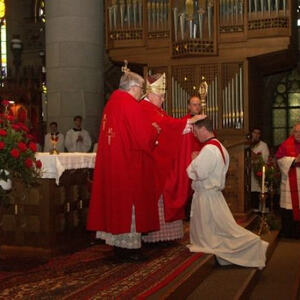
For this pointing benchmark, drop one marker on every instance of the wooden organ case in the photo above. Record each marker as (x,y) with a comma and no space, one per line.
(220,40)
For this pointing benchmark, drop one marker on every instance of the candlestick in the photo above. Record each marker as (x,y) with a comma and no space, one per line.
(263,179)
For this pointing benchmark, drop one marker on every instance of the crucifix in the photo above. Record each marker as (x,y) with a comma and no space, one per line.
(110,134)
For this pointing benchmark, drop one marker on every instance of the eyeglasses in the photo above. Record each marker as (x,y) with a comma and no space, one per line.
(141,87)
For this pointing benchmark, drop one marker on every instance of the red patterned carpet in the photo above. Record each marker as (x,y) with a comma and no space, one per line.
(92,273)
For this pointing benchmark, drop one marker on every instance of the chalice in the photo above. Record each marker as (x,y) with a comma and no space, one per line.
(54,140)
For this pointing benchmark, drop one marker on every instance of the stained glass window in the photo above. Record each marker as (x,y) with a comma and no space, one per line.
(286,106)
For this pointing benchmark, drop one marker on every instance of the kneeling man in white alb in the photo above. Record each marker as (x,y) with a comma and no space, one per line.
(213,228)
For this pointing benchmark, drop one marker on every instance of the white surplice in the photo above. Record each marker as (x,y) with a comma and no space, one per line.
(285,164)
(71,141)
(212,226)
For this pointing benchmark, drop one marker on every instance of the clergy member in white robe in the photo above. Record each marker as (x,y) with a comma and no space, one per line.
(258,147)
(78,139)
(54,137)
(212,226)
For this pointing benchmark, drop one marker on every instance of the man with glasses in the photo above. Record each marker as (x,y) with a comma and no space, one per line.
(165,155)
(122,204)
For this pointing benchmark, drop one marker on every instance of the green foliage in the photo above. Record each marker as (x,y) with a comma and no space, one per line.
(272,172)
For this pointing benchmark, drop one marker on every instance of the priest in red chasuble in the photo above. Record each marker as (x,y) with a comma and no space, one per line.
(288,158)
(123,205)
(165,154)
(194,108)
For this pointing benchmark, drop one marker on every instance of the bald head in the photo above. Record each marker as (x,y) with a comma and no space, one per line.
(296,132)
(194,105)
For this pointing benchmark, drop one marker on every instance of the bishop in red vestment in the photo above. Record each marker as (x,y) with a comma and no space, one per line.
(165,155)
(122,202)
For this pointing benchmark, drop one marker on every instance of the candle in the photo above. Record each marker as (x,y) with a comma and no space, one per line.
(263,179)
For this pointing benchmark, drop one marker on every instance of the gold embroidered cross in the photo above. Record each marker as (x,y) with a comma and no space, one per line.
(104,122)
(110,134)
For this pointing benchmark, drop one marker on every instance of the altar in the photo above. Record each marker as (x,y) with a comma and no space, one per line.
(50,217)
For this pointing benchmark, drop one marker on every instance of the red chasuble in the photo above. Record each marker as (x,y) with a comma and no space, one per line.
(168,143)
(124,173)
(291,148)
(178,186)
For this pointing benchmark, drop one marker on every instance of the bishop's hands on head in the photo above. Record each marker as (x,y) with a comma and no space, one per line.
(196,118)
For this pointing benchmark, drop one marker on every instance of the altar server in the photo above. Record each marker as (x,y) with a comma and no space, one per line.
(54,136)
(77,138)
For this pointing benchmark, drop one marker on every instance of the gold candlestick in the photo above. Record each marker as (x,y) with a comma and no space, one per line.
(263,226)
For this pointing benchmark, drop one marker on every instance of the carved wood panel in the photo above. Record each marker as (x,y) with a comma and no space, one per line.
(47,216)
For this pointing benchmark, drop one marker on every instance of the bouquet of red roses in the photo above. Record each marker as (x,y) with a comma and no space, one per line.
(17,150)
(272,172)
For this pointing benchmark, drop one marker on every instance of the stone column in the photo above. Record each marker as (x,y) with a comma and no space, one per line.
(74,62)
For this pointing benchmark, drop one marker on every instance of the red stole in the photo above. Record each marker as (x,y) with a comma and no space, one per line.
(288,148)
(217,144)
(176,188)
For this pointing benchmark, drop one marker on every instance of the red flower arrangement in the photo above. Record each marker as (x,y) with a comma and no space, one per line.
(17,151)
(272,173)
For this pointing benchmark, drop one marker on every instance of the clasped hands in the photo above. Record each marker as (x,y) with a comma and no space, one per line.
(79,139)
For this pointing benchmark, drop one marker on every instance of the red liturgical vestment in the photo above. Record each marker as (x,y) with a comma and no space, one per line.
(178,185)
(123,174)
(172,155)
(285,155)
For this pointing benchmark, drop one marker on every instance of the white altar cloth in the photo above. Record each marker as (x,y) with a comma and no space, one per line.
(53,166)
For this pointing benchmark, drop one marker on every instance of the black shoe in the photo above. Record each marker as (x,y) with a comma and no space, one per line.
(166,244)
(120,254)
(137,256)
(129,255)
